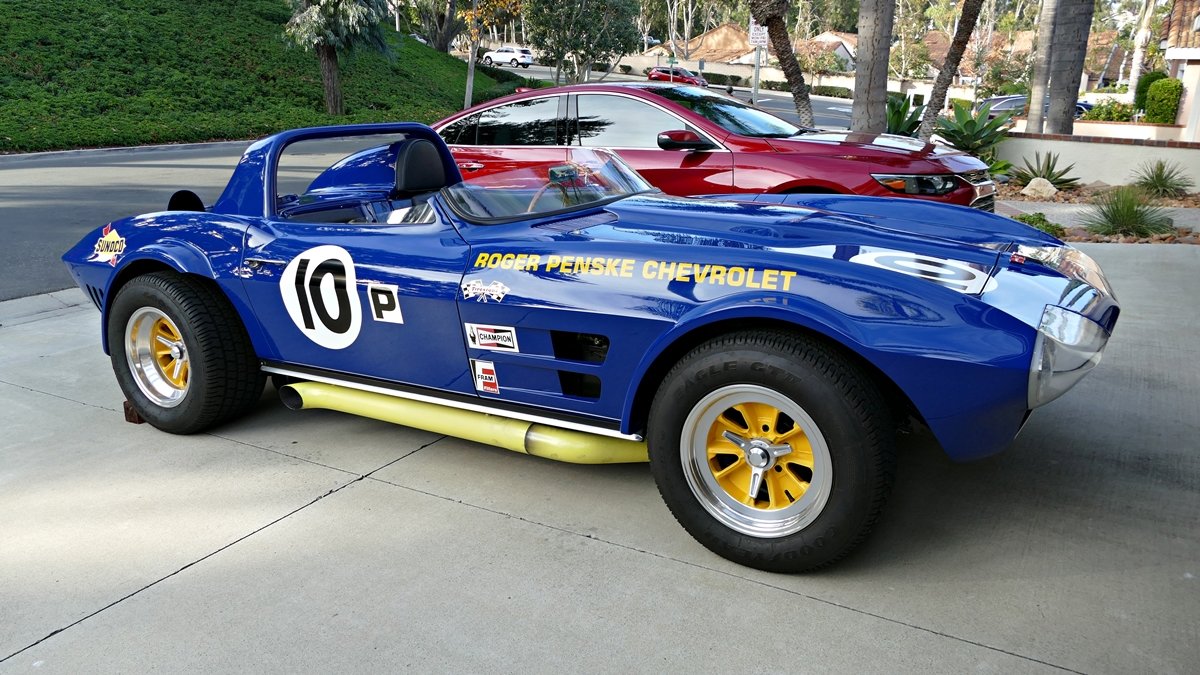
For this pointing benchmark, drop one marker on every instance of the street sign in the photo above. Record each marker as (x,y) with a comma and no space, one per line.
(758,34)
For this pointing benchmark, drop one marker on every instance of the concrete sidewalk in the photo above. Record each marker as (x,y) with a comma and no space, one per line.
(314,541)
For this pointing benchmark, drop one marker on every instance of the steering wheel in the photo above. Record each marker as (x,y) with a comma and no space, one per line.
(542,190)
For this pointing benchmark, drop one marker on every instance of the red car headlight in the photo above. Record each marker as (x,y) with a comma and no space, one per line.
(920,184)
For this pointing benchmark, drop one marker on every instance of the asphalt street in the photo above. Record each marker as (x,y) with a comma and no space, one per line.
(315,541)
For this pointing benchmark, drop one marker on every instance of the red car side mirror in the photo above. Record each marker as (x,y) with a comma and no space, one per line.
(682,139)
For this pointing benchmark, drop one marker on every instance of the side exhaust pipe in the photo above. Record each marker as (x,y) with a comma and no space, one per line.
(562,445)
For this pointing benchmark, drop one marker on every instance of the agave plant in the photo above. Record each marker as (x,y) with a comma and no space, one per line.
(1046,167)
(1162,179)
(974,133)
(902,117)
(1125,211)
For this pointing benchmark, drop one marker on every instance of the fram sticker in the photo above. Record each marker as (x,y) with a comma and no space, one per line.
(319,293)
(496,338)
(485,376)
(954,274)
(476,289)
(109,246)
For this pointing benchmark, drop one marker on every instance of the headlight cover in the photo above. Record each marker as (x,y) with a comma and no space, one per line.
(1068,346)
(918,184)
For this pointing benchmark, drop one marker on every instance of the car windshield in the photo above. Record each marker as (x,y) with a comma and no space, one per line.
(585,177)
(730,114)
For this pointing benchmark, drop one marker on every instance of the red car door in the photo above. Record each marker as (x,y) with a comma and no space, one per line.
(630,127)
(507,136)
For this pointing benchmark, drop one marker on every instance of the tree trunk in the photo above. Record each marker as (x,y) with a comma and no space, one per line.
(1140,40)
(772,13)
(331,78)
(958,47)
(1041,66)
(1066,63)
(444,31)
(871,74)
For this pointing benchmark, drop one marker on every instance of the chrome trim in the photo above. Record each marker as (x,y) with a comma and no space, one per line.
(548,421)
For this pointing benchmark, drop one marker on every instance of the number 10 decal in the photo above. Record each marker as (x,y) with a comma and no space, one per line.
(320,294)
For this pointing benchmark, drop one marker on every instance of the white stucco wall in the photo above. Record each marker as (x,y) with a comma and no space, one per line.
(1105,162)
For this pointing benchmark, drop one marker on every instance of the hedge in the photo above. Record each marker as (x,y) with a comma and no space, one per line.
(1162,101)
(1143,86)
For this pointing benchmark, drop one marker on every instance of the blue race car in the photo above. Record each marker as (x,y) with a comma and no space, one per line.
(760,351)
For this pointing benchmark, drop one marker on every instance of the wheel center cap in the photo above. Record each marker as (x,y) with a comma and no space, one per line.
(176,351)
(758,455)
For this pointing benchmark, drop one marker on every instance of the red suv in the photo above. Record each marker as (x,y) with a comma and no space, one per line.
(690,141)
(677,75)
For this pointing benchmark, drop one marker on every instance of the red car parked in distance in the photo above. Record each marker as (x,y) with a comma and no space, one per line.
(689,141)
(675,75)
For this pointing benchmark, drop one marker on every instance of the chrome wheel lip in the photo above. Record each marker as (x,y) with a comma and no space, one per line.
(693,448)
(140,357)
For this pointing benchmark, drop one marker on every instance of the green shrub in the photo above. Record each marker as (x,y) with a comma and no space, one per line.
(716,78)
(1109,110)
(837,92)
(625,68)
(976,134)
(1124,211)
(1047,168)
(735,79)
(1143,86)
(1113,89)
(1162,179)
(902,117)
(646,70)
(1162,101)
(1039,221)
(600,67)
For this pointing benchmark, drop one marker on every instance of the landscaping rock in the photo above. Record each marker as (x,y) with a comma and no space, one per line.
(1040,188)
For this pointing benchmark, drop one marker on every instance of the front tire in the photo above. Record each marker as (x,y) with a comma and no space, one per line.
(772,450)
(487,60)
(181,354)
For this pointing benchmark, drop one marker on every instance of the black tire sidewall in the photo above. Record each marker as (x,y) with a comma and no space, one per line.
(848,511)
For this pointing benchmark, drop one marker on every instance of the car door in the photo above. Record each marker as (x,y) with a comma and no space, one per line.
(630,127)
(373,299)
(507,136)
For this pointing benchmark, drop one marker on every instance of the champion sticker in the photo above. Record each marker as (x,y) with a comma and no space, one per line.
(497,338)
(109,246)
(318,289)
(485,377)
(476,289)
(953,274)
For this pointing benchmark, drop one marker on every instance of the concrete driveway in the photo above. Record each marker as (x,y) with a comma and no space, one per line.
(313,541)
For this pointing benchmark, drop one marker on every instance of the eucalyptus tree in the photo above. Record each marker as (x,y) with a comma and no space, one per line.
(583,31)
(334,27)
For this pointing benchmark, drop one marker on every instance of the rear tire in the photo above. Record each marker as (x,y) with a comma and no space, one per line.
(772,450)
(181,354)
(487,60)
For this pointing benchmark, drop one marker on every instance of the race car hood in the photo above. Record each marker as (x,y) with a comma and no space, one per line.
(886,148)
(795,222)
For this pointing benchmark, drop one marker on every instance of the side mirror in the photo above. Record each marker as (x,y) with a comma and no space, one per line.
(681,139)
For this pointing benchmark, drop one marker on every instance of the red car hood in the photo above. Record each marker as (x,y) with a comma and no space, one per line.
(878,146)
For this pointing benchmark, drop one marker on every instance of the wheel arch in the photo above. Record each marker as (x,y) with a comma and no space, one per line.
(689,336)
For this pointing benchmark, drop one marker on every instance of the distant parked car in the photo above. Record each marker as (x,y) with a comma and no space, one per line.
(1017,104)
(676,74)
(513,56)
(691,141)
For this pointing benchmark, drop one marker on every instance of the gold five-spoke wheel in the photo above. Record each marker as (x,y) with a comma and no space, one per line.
(756,460)
(157,356)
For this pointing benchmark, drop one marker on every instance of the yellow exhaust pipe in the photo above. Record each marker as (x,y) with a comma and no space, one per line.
(562,445)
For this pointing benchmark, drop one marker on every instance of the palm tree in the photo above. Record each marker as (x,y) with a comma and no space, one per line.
(1041,66)
(945,76)
(1066,62)
(871,71)
(772,13)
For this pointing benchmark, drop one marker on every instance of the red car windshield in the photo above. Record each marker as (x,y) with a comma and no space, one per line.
(730,114)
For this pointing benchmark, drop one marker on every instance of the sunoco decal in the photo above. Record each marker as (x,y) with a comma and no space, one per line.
(953,274)
(109,247)
(475,289)
(485,376)
(496,338)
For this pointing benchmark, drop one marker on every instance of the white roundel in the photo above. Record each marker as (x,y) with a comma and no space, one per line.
(320,293)
(954,274)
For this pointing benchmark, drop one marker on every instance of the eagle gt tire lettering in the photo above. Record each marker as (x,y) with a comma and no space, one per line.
(181,354)
(772,450)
